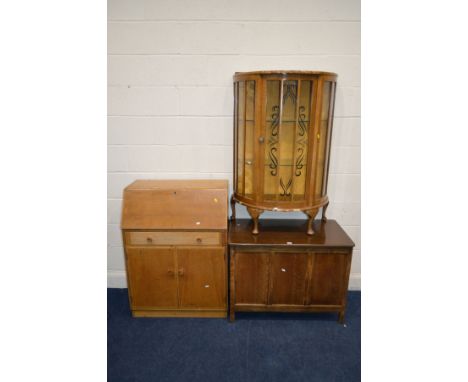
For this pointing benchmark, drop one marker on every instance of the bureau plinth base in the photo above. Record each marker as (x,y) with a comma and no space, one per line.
(180,313)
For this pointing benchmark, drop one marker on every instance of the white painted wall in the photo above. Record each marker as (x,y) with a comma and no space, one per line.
(170,102)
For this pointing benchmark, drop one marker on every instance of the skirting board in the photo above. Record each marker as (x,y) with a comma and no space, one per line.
(117,279)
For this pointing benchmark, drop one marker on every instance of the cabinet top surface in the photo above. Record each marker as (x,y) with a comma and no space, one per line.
(175,204)
(288,232)
(287,72)
(169,184)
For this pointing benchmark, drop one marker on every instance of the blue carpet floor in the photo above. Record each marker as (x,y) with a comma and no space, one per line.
(256,347)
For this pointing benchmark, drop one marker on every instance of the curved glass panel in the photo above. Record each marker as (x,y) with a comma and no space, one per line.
(322,138)
(249,138)
(240,128)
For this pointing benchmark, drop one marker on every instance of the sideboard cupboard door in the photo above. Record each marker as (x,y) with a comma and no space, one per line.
(251,278)
(288,278)
(202,277)
(152,277)
(329,278)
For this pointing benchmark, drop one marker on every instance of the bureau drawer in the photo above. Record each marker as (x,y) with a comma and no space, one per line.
(174,238)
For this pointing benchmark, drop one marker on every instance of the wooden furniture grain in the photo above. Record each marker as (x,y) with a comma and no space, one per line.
(282,137)
(175,234)
(284,270)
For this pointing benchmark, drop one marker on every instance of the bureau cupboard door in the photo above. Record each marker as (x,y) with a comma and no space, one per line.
(202,277)
(288,278)
(152,278)
(251,278)
(328,282)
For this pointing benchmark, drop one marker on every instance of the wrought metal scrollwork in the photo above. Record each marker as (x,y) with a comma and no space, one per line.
(301,142)
(302,122)
(299,164)
(290,91)
(273,161)
(275,120)
(274,140)
(286,187)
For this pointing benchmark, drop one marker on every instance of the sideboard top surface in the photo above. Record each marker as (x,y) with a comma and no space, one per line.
(288,232)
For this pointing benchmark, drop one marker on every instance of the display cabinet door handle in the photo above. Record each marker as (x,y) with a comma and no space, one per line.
(261,139)
(181,271)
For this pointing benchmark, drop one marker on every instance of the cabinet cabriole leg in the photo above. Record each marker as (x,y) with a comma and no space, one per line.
(254,214)
(311,214)
(324,211)
(233,208)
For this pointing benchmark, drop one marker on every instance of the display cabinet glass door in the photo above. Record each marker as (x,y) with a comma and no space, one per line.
(287,129)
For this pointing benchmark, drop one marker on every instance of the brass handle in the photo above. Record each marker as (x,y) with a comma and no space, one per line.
(199,240)
(149,240)
(261,139)
(248,162)
(181,271)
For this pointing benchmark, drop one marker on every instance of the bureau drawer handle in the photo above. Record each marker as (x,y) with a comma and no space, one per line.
(199,240)
(283,269)
(149,240)
(181,272)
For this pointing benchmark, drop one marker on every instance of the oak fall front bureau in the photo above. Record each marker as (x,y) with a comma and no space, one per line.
(175,236)
(284,270)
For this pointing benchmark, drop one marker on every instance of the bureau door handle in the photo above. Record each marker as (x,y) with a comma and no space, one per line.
(181,272)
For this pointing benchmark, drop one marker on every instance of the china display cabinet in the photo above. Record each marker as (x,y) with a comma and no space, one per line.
(282,135)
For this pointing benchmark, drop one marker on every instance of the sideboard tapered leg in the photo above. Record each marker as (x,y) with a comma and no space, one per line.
(254,214)
(341,317)
(311,214)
